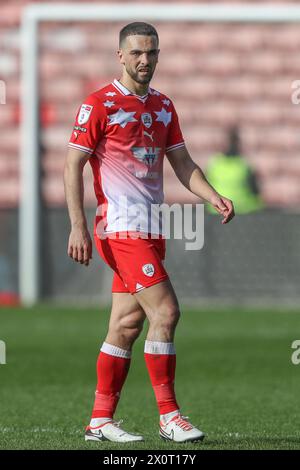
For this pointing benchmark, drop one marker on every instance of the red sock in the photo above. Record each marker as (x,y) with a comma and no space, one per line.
(161,364)
(112,369)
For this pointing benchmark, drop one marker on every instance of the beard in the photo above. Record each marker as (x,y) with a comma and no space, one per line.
(143,80)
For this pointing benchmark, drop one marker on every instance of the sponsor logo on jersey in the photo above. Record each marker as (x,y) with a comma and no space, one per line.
(149,135)
(81,129)
(84,113)
(146,119)
(148,270)
(147,155)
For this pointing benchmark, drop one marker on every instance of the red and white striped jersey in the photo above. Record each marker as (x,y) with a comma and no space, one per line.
(127,136)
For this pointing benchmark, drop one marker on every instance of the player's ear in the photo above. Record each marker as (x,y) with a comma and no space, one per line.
(120,55)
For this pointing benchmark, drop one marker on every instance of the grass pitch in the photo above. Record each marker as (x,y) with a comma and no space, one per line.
(235,379)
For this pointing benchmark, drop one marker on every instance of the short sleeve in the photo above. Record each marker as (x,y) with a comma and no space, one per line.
(174,139)
(89,126)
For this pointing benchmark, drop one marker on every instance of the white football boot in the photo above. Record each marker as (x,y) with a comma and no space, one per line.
(179,429)
(110,431)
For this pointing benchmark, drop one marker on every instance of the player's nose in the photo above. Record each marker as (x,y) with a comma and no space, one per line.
(144,60)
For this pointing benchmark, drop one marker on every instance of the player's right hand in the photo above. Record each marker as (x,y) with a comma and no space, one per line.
(80,246)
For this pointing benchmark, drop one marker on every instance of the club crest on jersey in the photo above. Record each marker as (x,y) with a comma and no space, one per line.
(148,270)
(147,155)
(84,113)
(146,119)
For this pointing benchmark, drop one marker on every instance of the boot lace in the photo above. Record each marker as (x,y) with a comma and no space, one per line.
(182,422)
(117,423)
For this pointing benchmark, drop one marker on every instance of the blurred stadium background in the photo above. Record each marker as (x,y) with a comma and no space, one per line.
(218,75)
(245,387)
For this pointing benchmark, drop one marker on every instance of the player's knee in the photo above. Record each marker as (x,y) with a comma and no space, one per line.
(130,326)
(172,317)
(167,316)
(131,333)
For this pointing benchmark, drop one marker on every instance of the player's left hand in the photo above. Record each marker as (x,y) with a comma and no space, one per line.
(224,207)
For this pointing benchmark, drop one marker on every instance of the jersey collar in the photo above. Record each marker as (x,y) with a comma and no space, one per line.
(124,91)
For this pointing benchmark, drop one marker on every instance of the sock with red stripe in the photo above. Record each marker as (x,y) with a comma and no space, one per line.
(112,369)
(161,364)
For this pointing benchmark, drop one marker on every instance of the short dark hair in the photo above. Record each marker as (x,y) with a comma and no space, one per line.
(140,28)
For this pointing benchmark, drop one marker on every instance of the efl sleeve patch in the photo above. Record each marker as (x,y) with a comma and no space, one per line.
(84,113)
(90,125)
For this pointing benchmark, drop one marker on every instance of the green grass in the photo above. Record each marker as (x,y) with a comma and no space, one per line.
(234,378)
